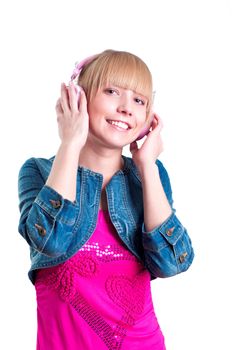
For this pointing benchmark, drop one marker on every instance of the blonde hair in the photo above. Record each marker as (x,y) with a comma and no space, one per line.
(118,68)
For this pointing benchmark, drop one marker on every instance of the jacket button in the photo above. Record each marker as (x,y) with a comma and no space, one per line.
(41,230)
(182,257)
(55,204)
(170,231)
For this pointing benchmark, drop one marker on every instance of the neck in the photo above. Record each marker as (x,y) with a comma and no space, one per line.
(101,160)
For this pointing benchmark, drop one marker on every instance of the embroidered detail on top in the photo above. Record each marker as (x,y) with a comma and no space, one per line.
(63,278)
(107,253)
(85,266)
(128,294)
(112,336)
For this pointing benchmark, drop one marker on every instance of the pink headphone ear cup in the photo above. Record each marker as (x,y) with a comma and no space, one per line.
(146,129)
(142,134)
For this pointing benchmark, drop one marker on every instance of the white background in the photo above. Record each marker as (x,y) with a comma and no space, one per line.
(187,45)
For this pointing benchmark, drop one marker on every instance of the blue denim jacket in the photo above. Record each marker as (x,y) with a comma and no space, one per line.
(56,228)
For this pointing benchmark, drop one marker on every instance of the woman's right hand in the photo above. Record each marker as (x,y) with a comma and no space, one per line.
(72,116)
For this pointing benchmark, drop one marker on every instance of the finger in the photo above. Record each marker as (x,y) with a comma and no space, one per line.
(64,100)
(133,147)
(82,102)
(58,107)
(73,96)
(157,123)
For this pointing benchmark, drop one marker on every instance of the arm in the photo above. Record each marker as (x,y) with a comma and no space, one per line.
(156,206)
(46,218)
(62,177)
(48,210)
(167,245)
(73,125)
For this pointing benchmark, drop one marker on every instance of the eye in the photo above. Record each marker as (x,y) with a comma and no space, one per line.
(140,101)
(111,91)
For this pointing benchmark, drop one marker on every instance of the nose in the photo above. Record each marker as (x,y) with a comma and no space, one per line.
(124,110)
(124,106)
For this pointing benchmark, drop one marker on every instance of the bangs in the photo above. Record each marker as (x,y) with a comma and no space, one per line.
(120,69)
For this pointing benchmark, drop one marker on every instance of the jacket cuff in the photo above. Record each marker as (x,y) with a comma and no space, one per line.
(168,249)
(167,233)
(56,206)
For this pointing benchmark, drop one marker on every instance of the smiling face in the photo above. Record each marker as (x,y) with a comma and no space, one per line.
(118,86)
(116,115)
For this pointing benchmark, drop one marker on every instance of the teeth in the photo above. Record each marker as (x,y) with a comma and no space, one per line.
(120,124)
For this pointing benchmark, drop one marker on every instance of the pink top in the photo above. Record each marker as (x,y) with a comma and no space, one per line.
(98,299)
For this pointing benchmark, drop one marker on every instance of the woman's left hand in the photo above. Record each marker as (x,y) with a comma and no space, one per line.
(151,147)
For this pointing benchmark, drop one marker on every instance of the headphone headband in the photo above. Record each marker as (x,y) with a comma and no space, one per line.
(79,66)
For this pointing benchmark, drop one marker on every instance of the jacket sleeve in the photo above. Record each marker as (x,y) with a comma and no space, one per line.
(46,218)
(167,248)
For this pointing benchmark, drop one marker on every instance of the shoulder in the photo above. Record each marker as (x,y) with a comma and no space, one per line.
(34,166)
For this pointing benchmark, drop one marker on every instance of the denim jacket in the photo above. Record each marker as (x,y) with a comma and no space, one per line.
(56,228)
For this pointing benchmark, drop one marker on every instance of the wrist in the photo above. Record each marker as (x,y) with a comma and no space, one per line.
(69,151)
(70,145)
(148,168)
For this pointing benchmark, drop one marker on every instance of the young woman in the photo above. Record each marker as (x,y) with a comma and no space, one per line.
(101,225)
